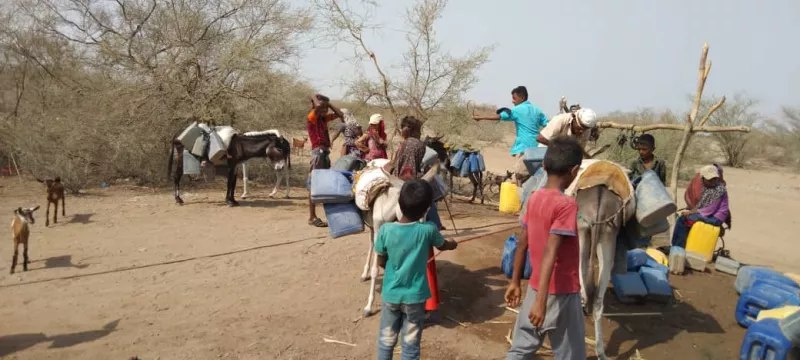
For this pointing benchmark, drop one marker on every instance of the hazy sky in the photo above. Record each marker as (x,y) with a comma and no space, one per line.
(607,55)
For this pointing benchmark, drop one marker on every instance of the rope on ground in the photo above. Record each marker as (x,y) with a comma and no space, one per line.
(129,268)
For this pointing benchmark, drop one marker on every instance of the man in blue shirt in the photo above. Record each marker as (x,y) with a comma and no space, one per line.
(528,120)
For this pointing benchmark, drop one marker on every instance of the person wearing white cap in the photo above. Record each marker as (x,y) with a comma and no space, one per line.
(574,123)
(712,207)
(373,142)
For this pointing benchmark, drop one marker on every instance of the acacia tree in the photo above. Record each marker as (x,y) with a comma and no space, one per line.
(428,77)
(738,112)
(107,82)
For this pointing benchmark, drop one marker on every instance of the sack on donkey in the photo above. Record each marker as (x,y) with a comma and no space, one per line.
(507,261)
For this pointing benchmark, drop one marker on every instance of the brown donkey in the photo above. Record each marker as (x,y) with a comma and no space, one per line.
(21,232)
(55,193)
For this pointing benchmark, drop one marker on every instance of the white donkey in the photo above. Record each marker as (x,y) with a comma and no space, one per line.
(384,209)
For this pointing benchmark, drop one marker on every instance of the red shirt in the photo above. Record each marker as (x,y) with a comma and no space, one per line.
(318,130)
(551,212)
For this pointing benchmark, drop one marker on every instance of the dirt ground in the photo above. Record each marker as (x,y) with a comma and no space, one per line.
(128,273)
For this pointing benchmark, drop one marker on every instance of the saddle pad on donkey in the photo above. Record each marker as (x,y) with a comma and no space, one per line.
(601,172)
(368,184)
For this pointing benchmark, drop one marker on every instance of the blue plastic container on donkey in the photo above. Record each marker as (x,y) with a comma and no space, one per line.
(330,186)
(764,296)
(343,219)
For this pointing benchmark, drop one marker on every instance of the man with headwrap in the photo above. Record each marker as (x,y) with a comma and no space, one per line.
(577,124)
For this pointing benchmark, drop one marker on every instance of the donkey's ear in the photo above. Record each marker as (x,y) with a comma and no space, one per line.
(18,210)
(35,208)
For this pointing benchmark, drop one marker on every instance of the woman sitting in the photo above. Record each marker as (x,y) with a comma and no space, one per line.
(710,208)
(373,143)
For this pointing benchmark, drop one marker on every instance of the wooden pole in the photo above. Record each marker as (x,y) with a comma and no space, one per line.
(16,167)
(648,128)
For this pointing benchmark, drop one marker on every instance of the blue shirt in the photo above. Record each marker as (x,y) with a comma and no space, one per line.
(406,247)
(528,120)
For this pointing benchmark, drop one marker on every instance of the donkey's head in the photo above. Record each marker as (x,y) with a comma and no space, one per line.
(278,151)
(50,182)
(26,214)
(437,145)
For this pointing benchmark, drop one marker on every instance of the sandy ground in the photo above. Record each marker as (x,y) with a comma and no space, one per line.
(127,273)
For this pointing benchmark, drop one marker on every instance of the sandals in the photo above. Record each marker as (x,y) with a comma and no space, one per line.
(317,222)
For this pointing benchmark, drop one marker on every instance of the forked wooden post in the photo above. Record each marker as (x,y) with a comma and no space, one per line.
(692,124)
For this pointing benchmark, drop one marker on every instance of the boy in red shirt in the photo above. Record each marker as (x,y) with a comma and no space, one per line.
(317,126)
(552,305)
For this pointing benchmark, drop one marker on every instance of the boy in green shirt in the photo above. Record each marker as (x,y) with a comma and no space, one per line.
(402,248)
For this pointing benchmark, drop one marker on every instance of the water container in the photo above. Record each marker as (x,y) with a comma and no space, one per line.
(765,341)
(457,160)
(200,146)
(658,256)
(465,170)
(794,277)
(533,158)
(656,282)
(191,166)
(778,313)
(330,186)
(216,149)
(677,260)
(764,296)
(189,135)
(695,261)
(430,157)
(652,264)
(790,327)
(702,239)
(726,265)
(659,227)
(481,163)
(439,187)
(535,182)
(509,200)
(348,163)
(343,219)
(750,274)
(474,164)
(507,261)
(653,202)
(225,133)
(628,285)
(636,259)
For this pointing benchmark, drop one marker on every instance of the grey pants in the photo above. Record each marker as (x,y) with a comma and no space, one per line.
(563,323)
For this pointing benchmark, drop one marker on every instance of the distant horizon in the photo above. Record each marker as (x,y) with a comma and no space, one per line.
(644,54)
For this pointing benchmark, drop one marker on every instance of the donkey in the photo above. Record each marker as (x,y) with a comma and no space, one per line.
(385,208)
(264,144)
(21,231)
(601,214)
(476,178)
